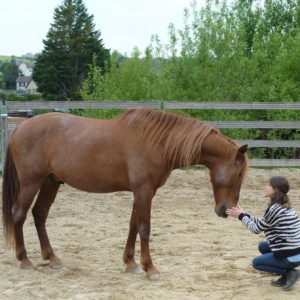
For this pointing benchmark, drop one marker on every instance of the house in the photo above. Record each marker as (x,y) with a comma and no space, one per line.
(25,68)
(26,85)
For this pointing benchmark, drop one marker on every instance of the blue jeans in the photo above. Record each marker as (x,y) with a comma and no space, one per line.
(268,263)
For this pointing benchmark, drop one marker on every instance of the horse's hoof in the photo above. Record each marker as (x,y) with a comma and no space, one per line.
(57,264)
(135,270)
(153,276)
(26,265)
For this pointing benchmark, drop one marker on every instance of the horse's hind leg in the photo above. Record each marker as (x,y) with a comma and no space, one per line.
(129,251)
(19,213)
(40,212)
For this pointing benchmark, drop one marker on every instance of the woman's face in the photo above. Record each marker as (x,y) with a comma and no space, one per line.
(269,190)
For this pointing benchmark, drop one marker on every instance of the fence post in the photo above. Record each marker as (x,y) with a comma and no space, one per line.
(3,136)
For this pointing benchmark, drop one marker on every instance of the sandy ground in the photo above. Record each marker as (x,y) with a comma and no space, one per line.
(199,255)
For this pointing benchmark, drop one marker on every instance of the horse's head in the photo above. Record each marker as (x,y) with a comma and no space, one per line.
(226,178)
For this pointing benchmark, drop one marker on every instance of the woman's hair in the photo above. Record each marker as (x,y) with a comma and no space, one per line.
(281,187)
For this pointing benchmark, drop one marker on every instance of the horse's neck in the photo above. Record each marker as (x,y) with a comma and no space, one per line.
(216,148)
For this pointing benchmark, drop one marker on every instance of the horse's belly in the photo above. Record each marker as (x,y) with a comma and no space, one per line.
(98,187)
(97,180)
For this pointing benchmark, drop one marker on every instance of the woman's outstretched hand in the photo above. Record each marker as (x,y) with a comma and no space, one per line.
(234,211)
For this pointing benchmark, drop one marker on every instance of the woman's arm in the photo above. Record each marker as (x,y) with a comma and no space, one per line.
(254,224)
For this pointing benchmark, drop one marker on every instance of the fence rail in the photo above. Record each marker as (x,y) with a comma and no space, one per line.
(291,163)
(232,105)
(270,143)
(23,105)
(11,106)
(256,124)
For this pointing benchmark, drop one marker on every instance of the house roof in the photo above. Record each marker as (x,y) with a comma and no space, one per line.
(30,65)
(25,79)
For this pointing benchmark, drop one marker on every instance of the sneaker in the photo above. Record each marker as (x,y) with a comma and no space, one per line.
(281,281)
(291,277)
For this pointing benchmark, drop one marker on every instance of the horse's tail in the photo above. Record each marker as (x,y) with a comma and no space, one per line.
(10,190)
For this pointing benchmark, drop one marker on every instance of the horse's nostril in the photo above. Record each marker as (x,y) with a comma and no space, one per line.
(223,208)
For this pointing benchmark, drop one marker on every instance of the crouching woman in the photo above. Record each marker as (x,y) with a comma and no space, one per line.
(280,254)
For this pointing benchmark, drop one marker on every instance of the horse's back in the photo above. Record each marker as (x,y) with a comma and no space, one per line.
(51,127)
(50,122)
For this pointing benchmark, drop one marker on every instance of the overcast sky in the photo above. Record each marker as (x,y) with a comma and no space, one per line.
(124,24)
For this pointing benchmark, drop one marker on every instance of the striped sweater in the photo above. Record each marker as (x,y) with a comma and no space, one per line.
(281,227)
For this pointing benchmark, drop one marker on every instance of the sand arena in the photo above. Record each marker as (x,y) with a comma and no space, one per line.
(199,255)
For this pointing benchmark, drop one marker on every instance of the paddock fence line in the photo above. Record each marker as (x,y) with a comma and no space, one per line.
(23,105)
(12,106)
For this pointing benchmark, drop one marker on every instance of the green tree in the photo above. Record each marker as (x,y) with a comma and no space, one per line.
(232,52)
(10,74)
(285,72)
(92,87)
(133,79)
(2,82)
(68,51)
(243,51)
(136,77)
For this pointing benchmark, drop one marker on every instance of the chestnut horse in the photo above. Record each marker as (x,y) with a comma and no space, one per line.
(134,152)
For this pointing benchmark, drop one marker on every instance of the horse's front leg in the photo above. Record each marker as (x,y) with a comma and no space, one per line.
(142,199)
(129,251)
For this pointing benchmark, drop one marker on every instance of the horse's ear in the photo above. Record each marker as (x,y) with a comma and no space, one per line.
(242,150)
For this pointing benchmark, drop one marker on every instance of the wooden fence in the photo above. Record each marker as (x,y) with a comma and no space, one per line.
(10,106)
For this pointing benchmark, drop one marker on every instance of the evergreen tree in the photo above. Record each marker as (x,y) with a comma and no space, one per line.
(68,51)
(10,73)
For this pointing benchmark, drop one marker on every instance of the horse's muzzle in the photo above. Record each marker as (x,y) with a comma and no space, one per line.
(221,210)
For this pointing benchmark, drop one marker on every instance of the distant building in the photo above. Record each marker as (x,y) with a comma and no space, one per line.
(26,68)
(26,85)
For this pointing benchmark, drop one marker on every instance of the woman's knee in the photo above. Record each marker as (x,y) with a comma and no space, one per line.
(256,262)
(260,261)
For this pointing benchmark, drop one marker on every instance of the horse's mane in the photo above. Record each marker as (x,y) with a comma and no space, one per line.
(180,137)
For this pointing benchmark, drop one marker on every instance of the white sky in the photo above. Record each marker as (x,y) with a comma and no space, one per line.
(124,24)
